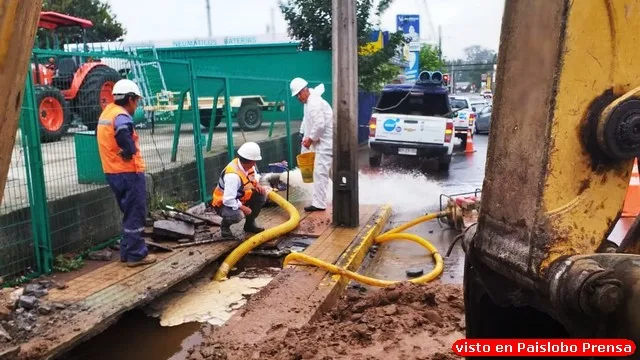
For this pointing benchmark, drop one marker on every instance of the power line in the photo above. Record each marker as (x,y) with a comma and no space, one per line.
(478,64)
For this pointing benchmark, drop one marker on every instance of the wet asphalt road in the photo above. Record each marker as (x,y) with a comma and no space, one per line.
(412,193)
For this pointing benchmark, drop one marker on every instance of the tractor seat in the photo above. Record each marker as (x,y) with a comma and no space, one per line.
(67,68)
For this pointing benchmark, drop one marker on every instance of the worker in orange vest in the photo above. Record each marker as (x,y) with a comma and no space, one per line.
(124,167)
(239,193)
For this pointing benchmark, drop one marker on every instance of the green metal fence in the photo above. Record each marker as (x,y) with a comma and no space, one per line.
(56,199)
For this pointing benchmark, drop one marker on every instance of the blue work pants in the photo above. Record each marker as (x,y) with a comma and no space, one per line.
(130,191)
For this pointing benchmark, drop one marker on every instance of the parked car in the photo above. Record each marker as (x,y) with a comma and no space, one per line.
(483,121)
(412,120)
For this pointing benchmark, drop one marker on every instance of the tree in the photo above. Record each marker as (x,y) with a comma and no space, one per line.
(478,60)
(476,54)
(309,21)
(430,59)
(105,26)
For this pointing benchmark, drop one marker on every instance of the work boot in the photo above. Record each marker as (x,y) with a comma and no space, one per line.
(251,227)
(313,208)
(149,259)
(226,233)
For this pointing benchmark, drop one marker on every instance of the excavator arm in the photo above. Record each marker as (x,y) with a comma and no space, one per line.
(564,134)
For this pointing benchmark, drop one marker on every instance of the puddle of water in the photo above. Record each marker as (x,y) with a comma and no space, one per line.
(393,259)
(138,337)
(212,302)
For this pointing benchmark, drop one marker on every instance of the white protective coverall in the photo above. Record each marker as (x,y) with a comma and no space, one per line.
(317,124)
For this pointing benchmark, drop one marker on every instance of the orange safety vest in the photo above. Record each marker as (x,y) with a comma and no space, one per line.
(244,192)
(112,162)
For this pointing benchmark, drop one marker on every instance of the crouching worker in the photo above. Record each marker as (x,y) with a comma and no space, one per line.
(239,192)
(124,168)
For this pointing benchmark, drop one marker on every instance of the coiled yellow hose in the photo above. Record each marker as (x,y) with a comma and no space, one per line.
(393,234)
(261,238)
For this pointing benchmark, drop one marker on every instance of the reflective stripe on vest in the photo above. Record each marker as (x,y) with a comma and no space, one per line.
(244,192)
(112,162)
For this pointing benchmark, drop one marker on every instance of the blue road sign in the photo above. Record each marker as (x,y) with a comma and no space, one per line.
(410,26)
(411,72)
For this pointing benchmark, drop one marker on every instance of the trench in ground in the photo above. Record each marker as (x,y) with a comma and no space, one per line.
(139,334)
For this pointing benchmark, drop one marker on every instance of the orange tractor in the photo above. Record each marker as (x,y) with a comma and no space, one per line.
(67,86)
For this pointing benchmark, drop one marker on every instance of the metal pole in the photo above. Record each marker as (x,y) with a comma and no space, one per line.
(287,124)
(273,23)
(440,42)
(209,17)
(195,111)
(36,185)
(345,118)
(229,118)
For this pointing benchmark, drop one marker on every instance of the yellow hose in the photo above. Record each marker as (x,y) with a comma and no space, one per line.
(393,234)
(261,238)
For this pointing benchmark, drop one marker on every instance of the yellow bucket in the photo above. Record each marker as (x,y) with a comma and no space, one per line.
(305,163)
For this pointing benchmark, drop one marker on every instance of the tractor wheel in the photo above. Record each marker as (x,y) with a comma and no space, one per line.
(95,94)
(53,113)
(205,117)
(250,117)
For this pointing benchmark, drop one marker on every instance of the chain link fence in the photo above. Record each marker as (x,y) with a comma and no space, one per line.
(190,123)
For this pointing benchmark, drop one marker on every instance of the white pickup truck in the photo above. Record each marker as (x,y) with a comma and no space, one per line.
(467,108)
(412,120)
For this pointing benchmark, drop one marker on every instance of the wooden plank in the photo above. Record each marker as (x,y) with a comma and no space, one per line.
(332,286)
(18,24)
(293,297)
(105,306)
(94,281)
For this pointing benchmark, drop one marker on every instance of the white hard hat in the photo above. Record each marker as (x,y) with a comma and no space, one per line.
(126,86)
(250,151)
(297,84)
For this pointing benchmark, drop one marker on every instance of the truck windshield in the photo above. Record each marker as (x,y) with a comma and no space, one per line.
(421,104)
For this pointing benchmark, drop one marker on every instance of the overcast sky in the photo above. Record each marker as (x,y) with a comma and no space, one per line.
(464,22)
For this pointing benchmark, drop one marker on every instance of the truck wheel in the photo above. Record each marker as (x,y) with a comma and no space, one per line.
(95,93)
(53,113)
(444,163)
(250,117)
(205,117)
(375,160)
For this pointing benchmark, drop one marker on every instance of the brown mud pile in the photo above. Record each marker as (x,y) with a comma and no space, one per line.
(407,321)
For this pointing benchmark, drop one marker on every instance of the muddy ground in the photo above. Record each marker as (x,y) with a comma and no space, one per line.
(406,321)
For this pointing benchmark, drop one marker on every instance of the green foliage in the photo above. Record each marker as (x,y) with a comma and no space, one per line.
(158,202)
(65,264)
(105,26)
(309,21)
(430,59)
(375,70)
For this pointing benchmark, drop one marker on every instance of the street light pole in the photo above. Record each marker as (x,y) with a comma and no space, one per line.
(209,17)
(345,117)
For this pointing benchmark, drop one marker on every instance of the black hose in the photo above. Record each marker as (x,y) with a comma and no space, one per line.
(455,241)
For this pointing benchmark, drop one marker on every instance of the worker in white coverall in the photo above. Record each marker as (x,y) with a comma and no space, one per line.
(317,130)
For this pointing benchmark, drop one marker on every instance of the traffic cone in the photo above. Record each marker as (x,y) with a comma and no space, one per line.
(469,147)
(631,206)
